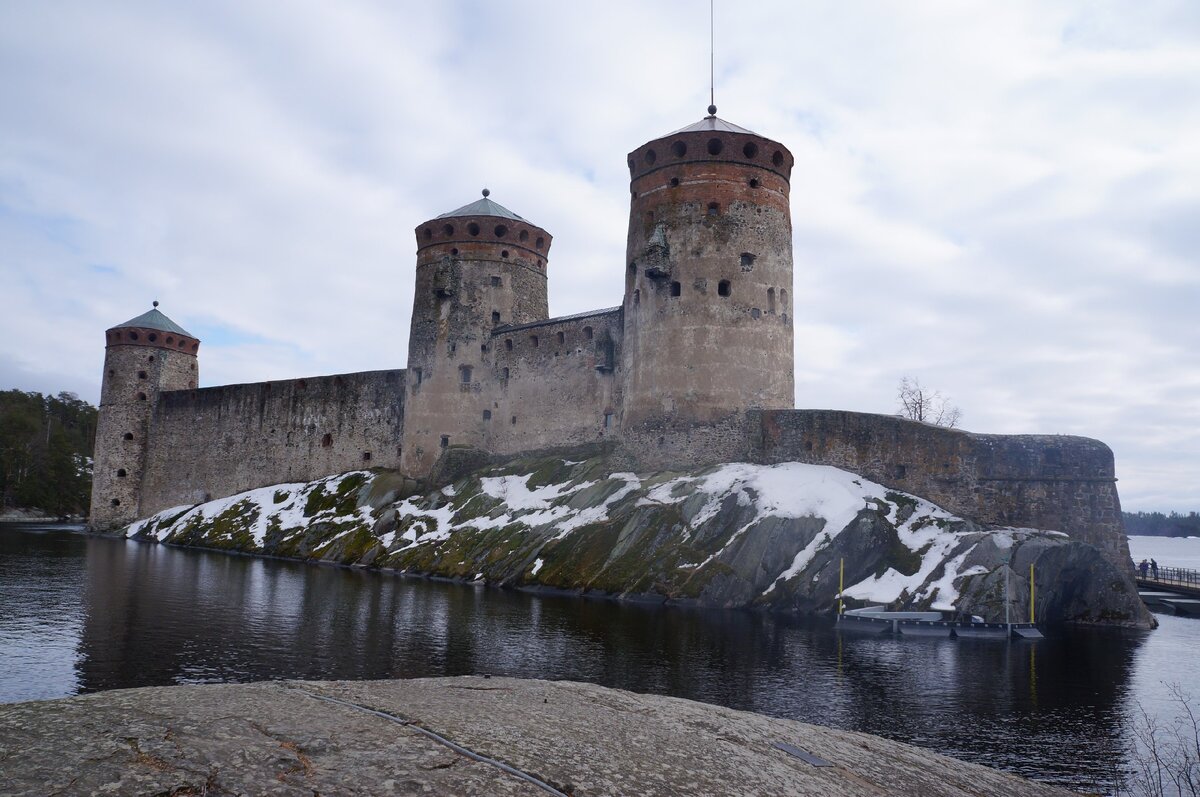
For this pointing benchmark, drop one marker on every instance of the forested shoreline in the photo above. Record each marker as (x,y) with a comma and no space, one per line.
(46,445)
(1156,524)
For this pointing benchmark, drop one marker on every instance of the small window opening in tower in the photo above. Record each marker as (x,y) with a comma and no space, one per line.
(141,374)
(483,348)
(679,149)
(562,338)
(755,312)
(777,159)
(754,182)
(326,440)
(676,289)
(508,344)
(170,340)
(445,443)
(495,316)
(747,261)
(533,341)
(771,301)
(153,336)
(714,208)
(133,336)
(504,374)
(587,333)
(448,230)
(487,415)
(428,233)
(366,456)
(141,396)
(116,502)
(674,182)
(121,473)
(750,150)
(637,297)
(129,435)
(715,146)
(513,420)
(473,228)
(496,281)
(150,359)
(464,374)
(523,236)
(651,156)
(500,231)
(504,254)
(195,346)
(540,242)
(417,374)
(454,251)
(112,372)
(633,269)
(724,288)
(608,420)
(453,348)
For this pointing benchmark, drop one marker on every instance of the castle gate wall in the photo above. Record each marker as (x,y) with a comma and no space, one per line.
(219,441)
(1056,482)
(554,383)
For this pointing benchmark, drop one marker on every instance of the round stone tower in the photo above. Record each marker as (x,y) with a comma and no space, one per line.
(708,318)
(479,267)
(142,358)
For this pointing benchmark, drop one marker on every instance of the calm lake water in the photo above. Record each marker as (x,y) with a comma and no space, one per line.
(82,614)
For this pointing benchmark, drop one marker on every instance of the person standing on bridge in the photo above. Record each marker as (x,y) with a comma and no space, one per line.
(1143,566)
(1154,569)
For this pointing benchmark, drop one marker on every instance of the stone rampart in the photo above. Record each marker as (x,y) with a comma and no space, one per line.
(554,383)
(218,441)
(1056,482)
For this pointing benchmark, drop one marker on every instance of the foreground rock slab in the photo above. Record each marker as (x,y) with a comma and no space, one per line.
(485,736)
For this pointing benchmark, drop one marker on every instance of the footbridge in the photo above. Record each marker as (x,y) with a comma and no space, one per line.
(1171,589)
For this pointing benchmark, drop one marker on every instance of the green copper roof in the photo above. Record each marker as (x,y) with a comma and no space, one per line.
(483,207)
(153,319)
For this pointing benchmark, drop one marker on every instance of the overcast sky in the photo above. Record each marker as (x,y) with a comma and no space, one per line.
(999,198)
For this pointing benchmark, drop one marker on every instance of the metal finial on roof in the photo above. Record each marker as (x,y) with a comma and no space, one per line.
(712,110)
(155,303)
(487,193)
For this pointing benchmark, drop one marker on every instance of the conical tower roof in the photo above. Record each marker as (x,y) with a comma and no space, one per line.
(154,319)
(712,123)
(483,207)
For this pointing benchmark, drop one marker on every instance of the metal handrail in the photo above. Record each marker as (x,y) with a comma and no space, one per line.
(1178,576)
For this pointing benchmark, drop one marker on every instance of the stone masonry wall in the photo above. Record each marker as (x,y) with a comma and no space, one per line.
(219,441)
(1044,481)
(555,383)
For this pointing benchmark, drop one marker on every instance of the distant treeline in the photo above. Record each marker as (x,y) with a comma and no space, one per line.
(1156,524)
(46,445)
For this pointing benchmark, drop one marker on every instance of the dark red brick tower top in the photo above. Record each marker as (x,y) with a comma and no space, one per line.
(714,140)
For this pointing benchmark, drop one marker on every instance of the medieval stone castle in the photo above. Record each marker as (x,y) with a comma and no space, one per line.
(695,367)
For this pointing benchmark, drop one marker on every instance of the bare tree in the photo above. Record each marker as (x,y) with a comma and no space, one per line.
(921,404)
(1165,754)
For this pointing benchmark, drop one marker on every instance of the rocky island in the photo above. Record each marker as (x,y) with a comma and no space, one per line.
(736,535)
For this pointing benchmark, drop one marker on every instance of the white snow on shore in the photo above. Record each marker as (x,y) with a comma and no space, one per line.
(786,490)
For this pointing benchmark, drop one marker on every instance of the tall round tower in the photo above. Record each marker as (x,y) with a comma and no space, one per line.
(708,324)
(479,267)
(142,358)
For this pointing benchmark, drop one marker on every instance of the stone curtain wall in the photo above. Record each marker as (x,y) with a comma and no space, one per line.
(218,441)
(1043,481)
(553,383)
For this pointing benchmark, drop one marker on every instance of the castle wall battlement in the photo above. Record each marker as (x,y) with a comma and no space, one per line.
(218,441)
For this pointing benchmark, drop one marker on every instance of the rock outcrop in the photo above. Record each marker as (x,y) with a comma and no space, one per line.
(775,537)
